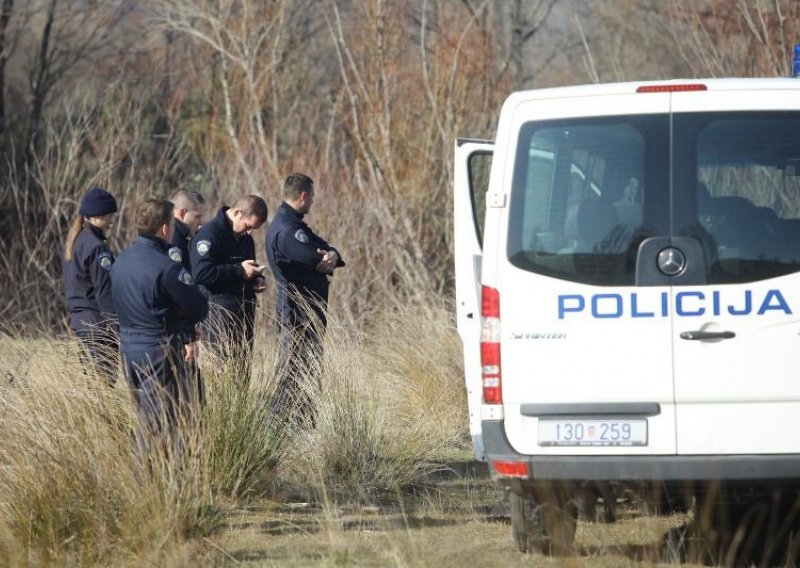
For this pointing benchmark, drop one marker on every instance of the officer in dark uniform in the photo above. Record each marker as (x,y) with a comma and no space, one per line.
(189,210)
(158,305)
(223,262)
(302,263)
(87,261)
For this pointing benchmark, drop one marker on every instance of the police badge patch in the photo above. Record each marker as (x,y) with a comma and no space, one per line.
(185,277)
(175,254)
(203,247)
(105,261)
(301,236)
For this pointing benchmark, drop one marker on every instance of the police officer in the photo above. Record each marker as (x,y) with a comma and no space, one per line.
(302,263)
(158,305)
(87,261)
(223,262)
(189,210)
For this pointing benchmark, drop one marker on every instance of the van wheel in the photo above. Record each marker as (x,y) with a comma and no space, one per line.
(545,525)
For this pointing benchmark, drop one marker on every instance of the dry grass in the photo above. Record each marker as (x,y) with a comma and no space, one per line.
(72,485)
(390,407)
(446,527)
(369,485)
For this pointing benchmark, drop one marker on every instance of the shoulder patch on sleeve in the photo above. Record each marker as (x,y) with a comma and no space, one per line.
(203,247)
(105,260)
(185,278)
(301,236)
(175,254)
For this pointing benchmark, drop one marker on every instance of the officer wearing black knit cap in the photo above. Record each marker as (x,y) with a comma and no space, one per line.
(87,263)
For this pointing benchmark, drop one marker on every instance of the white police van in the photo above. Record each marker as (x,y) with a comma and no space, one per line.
(629,301)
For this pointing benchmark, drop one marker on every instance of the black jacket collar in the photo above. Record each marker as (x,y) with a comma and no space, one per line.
(224,222)
(289,210)
(182,230)
(96,231)
(153,242)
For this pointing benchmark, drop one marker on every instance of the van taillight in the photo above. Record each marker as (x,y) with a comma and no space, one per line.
(511,468)
(490,346)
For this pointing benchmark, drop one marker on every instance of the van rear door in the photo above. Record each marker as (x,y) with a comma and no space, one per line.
(586,336)
(737,337)
(470,179)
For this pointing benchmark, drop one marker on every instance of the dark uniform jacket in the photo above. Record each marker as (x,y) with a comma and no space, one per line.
(292,254)
(87,280)
(155,297)
(216,255)
(181,238)
(179,251)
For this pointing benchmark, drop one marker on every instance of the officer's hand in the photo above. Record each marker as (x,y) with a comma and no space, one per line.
(328,262)
(260,285)
(190,352)
(251,269)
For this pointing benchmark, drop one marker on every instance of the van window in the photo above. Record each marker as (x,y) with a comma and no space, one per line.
(480,164)
(740,184)
(586,193)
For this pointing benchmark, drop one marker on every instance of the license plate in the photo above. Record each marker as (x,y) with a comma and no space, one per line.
(622,432)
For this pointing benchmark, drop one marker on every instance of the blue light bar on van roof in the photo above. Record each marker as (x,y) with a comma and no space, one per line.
(671,88)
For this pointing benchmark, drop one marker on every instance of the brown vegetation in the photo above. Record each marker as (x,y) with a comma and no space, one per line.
(75,488)
(367,97)
(229,96)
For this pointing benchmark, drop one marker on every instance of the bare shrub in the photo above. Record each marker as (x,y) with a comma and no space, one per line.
(735,39)
(97,142)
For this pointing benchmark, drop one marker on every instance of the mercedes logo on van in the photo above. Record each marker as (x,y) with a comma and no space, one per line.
(671,261)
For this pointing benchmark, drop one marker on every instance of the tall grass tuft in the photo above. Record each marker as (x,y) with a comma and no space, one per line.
(74,484)
(416,344)
(389,404)
(242,441)
(66,475)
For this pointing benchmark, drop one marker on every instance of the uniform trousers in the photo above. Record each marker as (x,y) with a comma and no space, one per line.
(301,326)
(163,387)
(228,333)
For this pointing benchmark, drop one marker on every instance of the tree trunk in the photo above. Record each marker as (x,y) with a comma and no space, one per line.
(40,85)
(5,16)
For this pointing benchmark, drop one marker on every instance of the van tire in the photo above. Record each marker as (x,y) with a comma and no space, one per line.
(546,525)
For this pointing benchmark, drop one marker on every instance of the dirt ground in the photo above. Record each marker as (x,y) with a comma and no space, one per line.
(456,519)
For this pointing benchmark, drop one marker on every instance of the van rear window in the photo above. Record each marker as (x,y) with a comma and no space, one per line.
(585,193)
(746,167)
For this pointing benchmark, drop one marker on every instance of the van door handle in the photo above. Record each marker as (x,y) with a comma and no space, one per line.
(700,335)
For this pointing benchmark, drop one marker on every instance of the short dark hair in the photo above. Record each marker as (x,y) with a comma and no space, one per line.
(184,197)
(152,214)
(296,184)
(252,205)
